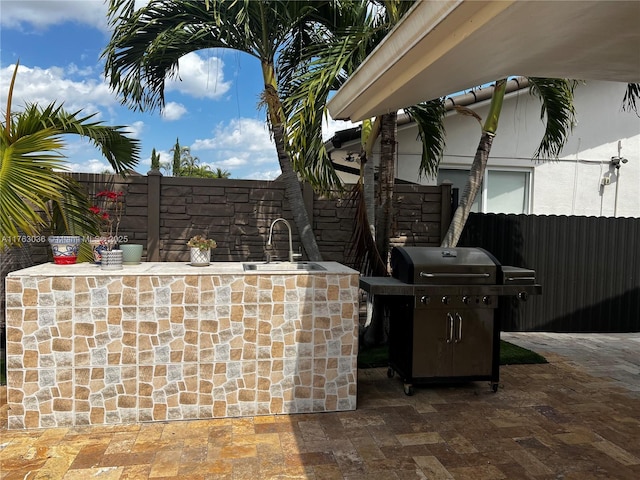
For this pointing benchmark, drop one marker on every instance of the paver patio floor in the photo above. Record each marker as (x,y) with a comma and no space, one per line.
(568,419)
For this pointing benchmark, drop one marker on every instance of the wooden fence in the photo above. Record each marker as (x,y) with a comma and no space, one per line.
(162,213)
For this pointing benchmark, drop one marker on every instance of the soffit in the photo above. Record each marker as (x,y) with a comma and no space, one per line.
(445,47)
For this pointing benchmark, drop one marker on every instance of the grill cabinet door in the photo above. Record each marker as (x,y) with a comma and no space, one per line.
(473,342)
(432,348)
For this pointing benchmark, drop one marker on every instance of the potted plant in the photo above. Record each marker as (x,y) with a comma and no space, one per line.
(201,250)
(108,210)
(65,248)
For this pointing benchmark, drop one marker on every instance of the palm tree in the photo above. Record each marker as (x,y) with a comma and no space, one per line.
(559,115)
(327,66)
(147,43)
(35,193)
(190,166)
(204,171)
(219,173)
(188,163)
(332,65)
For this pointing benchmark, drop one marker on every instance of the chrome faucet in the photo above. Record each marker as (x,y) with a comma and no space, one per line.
(269,240)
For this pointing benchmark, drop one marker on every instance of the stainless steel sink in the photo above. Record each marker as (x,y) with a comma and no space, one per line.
(282,266)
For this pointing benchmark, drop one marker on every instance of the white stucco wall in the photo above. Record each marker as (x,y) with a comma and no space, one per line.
(570,185)
(573,184)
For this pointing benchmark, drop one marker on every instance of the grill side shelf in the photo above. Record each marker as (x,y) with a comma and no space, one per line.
(393,286)
(385,286)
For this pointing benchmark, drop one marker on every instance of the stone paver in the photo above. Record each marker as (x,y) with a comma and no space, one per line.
(577,417)
(611,356)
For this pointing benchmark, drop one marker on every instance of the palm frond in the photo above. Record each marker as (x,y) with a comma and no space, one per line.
(429,119)
(631,96)
(146,43)
(27,182)
(323,65)
(557,109)
(69,213)
(305,104)
(121,152)
(34,191)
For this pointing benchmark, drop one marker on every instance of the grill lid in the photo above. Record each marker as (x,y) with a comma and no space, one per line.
(444,266)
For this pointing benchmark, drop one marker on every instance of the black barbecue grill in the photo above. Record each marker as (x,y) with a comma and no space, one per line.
(441,304)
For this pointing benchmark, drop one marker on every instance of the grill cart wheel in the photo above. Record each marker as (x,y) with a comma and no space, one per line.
(494,387)
(390,372)
(408,389)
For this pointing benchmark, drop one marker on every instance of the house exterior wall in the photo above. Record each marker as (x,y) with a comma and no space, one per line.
(570,185)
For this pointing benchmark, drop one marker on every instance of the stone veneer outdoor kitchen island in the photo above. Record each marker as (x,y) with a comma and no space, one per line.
(168,341)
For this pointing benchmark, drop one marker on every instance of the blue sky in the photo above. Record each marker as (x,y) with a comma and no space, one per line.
(213,110)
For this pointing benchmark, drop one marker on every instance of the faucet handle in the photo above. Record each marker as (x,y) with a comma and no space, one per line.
(296,255)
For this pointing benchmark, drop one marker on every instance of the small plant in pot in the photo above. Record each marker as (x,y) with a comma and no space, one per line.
(201,247)
(108,212)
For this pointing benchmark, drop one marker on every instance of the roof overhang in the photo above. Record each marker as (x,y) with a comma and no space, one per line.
(443,47)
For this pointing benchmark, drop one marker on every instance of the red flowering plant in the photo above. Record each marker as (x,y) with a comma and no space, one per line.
(108,210)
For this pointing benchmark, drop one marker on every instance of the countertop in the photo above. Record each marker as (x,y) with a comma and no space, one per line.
(178,268)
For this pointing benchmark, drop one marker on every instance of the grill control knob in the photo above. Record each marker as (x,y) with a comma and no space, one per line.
(425,299)
(466,300)
(445,300)
(486,300)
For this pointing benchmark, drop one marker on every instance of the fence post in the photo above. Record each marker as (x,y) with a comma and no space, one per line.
(154,178)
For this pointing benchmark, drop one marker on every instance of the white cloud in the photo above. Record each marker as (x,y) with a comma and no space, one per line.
(173,111)
(239,134)
(73,69)
(46,85)
(263,175)
(229,163)
(91,166)
(44,13)
(135,129)
(200,76)
(237,146)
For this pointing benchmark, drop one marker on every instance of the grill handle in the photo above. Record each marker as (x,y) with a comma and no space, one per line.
(515,279)
(450,329)
(454,275)
(459,318)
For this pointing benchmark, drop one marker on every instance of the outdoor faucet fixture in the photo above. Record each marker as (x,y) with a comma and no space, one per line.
(269,240)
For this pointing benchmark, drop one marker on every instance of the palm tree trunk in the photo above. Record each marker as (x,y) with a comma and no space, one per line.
(369,173)
(386,182)
(471,190)
(296,200)
(369,192)
(377,322)
(479,165)
(292,185)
